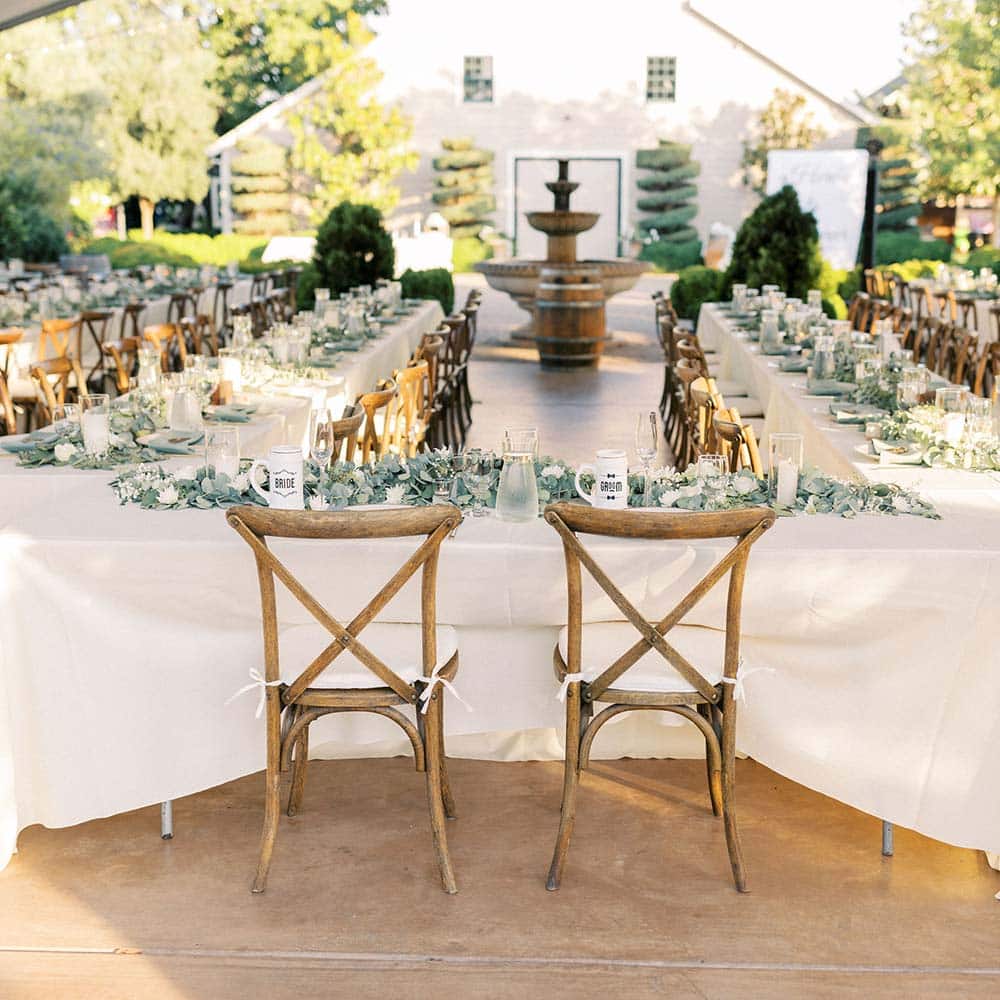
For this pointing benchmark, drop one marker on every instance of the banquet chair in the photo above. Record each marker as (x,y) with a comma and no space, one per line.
(936,341)
(198,332)
(596,664)
(375,406)
(121,361)
(404,430)
(167,339)
(986,376)
(688,346)
(8,416)
(130,320)
(947,306)
(858,309)
(455,367)
(12,335)
(737,442)
(345,434)
(954,354)
(430,349)
(56,380)
(965,312)
(57,335)
(330,667)
(873,283)
(95,323)
(181,304)
(995,313)
(922,301)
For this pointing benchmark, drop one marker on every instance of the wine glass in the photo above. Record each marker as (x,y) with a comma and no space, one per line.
(647,446)
(320,437)
(479,475)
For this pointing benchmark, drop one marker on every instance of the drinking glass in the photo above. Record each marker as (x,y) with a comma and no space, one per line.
(64,416)
(913,383)
(321,437)
(95,421)
(185,409)
(647,446)
(952,403)
(222,451)
(242,332)
(785,451)
(479,474)
(322,297)
(711,466)
(739,298)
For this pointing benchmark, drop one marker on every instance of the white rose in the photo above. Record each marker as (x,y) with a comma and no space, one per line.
(185,472)
(691,491)
(64,451)
(744,485)
(669,497)
(555,471)
(241,482)
(318,503)
(358,476)
(395,494)
(167,495)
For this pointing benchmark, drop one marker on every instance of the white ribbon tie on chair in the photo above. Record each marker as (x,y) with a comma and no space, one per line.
(436,678)
(256,681)
(567,680)
(739,691)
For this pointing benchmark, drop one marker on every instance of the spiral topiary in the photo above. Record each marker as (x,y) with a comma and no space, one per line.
(671,242)
(464,186)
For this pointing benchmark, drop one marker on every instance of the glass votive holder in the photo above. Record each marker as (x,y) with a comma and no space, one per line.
(873,430)
(711,466)
(231,368)
(222,451)
(784,467)
(739,298)
(95,422)
(913,383)
(952,402)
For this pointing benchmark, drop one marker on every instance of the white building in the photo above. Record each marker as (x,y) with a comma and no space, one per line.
(533,80)
(536,79)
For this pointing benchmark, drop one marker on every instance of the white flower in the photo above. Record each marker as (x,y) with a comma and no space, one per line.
(744,485)
(318,502)
(64,451)
(901,504)
(669,497)
(395,494)
(358,476)
(555,471)
(167,495)
(810,507)
(185,472)
(117,440)
(240,483)
(691,491)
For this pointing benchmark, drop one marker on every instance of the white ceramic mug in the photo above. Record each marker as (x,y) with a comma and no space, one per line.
(285,469)
(610,472)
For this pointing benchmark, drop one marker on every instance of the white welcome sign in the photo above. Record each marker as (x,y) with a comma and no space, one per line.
(831,184)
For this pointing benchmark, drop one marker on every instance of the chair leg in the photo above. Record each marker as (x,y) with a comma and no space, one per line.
(571,781)
(272,794)
(433,754)
(447,799)
(729,796)
(712,764)
(299,768)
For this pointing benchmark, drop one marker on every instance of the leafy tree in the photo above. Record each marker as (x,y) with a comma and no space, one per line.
(266,50)
(27,230)
(347,145)
(353,248)
(783,124)
(953,85)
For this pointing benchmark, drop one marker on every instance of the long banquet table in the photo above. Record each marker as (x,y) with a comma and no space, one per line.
(124,632)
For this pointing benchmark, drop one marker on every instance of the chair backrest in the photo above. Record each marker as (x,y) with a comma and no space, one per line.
(430,349)
(987,374)
(705,403)
(737,442)
(572,520)
(130,319)
(57,336)
(123,356)
(256,525)
(57,378)
(94,322)
(936,344)
(8,338)
(404,429)
(166,337)
(954,354)
(345,435)
(375,405)
(8,418)
(181,304)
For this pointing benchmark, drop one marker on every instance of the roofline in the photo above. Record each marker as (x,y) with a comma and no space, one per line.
(859,115)
(41,10)
(266,115)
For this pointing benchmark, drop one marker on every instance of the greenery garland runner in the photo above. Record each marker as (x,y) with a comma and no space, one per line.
(65,448)
(417,481)
(922,425)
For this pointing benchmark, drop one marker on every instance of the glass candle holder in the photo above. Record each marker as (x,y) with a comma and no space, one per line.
(785,465)
(913,383)
(952,402)
(95,422)
(222,451)
(711,466)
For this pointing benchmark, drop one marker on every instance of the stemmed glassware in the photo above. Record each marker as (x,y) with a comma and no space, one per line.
(321,437)
(479,475)
(647,446)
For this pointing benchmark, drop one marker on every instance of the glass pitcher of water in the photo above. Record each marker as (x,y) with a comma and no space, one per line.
(517,494)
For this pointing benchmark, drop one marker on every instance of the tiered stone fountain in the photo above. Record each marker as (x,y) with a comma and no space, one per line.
(564,296)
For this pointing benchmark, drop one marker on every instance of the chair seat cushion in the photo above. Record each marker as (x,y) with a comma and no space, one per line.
(397,646)
(603,642)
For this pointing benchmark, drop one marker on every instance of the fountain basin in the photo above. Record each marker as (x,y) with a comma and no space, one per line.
(562,223)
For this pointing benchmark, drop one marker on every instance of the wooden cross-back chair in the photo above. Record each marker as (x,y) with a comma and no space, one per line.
(705,403)
(737,441)
(198,333)
(947,307)
(596,663)
(451,371)
(130,326)
(922,301)
(95,324)
(858,309)
(404,427)
(345,433)
(444,402)
(925,330)
(966,315)
(954,354)
(687,450)
(936,341)
(121,361)
(181,304)
(430,349)
(167,339)
(8,416)
(56,380)
(57,337)
(986,377)
(375,406)
(8,338)
(343,668)
(874,285)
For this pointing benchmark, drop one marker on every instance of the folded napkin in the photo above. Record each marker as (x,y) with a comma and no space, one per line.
(898,452)
(230,414)
(855,413)
(18,443)
(779,350)
(829,387)
(325,361)
(794,364)
(173,442)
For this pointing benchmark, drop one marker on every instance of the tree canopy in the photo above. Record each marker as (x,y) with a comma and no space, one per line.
(953,84)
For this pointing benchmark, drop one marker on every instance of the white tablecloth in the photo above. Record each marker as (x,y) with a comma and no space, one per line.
(123,632)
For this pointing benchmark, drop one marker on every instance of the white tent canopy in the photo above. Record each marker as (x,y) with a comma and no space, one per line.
(14,12)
